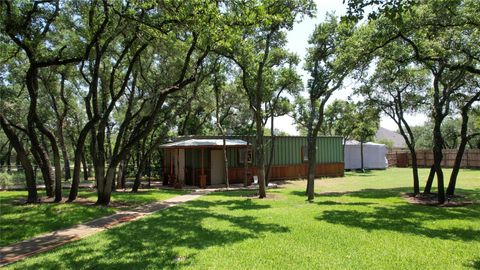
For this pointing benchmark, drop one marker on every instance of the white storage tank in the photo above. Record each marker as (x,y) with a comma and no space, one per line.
(374,155)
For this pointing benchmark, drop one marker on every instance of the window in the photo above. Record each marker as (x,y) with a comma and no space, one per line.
(249,155)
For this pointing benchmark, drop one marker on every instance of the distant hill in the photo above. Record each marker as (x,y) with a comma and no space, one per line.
(386,134)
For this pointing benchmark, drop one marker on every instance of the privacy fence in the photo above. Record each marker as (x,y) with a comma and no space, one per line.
(403,158)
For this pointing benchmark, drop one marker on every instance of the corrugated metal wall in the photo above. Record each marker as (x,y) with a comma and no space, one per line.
(288,151)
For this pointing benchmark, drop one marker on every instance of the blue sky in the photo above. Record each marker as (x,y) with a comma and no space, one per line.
(298,42)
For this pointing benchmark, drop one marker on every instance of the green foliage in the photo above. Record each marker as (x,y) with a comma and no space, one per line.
(6,180)
(388,143)
(450,131)
(367,122)
(340,119)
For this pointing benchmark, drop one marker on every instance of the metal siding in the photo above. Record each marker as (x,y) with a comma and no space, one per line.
(287,152)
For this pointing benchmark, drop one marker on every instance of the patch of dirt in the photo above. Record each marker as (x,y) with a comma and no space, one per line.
(45,199)
(121,205)
(270,196)
(333,193)
(430,199)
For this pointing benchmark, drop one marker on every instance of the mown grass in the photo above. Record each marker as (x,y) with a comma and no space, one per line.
(22,221)
(369,227)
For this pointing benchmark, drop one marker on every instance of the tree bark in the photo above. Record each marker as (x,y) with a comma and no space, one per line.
(461,149)
(272,152)
(260,155)
(86,171)
(312,161)
(428,185)
(23,158)
(79,158)
(438,141)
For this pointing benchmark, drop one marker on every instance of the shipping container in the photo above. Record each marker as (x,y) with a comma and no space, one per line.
(199,160)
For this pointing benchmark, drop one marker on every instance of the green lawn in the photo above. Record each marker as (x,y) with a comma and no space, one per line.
(369,227)
(20,221)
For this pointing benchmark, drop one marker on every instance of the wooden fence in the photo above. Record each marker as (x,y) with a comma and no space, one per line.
(403,158)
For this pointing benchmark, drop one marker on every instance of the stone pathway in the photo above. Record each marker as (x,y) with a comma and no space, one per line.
(45,242)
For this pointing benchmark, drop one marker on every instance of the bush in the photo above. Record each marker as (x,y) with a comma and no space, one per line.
(11,179)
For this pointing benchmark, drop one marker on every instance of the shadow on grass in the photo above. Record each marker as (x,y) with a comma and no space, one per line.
(404,217)
(23,221)
(19,222)
(167,240)
(359,173)
(476,264)
(344,203)
(364,193)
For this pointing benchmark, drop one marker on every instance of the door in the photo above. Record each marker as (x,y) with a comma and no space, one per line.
(179,164)
(217,167)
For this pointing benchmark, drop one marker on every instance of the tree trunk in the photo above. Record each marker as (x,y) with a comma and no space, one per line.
(23,158)
(104,192)
(416,181)
(428,185)
(225,159)
(272,152)
(56,161)
(437,161)
(122,170)
(260,155)
(79,158)
(461,149)
(8,158)
(139,174)
(43,161)
(312,160)
(42,157)
(84,166)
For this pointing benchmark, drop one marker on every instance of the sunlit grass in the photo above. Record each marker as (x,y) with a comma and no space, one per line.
(22,221)
(369,227)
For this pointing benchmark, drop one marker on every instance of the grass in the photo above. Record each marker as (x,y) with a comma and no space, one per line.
(23,221)
(366,224)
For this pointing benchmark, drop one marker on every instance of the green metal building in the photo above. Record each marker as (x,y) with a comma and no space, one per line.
(199,161)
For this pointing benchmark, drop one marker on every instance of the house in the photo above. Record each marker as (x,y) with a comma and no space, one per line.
(397,140)
(199,161)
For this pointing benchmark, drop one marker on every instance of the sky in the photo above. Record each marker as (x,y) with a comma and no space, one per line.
(298,42)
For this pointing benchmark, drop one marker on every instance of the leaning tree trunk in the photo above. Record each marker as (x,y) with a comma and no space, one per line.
(79,159)
(56,161)
(23,158)
(43,161)
(461,149)
(431,176)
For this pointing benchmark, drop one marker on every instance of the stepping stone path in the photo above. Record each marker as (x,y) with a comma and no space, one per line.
(48,241)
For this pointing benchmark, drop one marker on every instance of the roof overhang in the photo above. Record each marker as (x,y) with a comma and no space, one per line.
(204,143)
